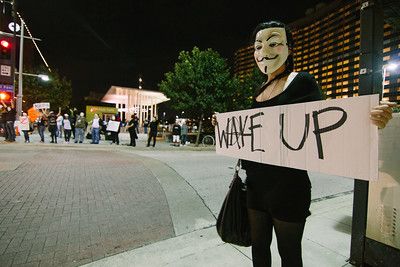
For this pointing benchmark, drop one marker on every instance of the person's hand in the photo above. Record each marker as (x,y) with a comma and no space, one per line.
(214,121)
(380,115)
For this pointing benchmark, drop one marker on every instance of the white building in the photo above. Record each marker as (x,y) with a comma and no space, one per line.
(133,100)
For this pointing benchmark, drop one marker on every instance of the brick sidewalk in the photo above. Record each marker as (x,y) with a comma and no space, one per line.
(67,207)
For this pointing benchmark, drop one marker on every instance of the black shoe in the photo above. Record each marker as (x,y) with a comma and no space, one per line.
(80,142)
(51,141)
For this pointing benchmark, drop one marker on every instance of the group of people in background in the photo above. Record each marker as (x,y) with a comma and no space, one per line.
(74,124)
(58,125)
(179,134)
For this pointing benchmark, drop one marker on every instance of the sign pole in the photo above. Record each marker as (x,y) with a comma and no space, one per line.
(370,82)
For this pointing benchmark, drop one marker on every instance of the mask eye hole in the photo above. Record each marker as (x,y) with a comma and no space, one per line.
(274,44)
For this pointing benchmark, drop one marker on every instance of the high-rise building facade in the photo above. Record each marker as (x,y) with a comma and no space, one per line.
(327,45)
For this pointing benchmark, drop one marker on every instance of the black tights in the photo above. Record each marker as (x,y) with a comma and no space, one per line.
(288,236)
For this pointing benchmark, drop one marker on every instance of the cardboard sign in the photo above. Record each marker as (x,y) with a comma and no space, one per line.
(23,125)
(113,126)
(328,136)
(39,106)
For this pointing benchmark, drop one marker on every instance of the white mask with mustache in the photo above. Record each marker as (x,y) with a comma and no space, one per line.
(270,49)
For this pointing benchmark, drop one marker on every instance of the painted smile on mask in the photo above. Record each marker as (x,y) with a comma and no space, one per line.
(270,49)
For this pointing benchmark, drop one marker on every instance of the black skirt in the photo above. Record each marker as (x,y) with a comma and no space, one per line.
(284,193)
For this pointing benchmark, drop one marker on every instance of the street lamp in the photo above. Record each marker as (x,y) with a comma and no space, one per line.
(391,66)
(44,77)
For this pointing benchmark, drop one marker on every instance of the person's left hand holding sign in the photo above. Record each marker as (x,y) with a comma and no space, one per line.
(380,115)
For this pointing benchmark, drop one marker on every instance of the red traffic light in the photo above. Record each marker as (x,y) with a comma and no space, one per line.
(5,44)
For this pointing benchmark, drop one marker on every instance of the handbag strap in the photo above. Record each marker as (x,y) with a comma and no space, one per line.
(238,166)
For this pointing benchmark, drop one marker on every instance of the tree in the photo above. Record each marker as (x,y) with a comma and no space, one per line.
(247,87)
(57,91)
(200,84)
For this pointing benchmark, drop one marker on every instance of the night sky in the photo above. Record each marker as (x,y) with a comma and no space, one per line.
(99,43)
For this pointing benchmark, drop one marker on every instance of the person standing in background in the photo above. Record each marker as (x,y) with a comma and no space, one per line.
(52,123)
(95,129)
(24,122)
(67,128)
(80,126)
(132,129)
(59,124)
(153,131)
(176,133)
(10,120)
(41,124)
(184,132)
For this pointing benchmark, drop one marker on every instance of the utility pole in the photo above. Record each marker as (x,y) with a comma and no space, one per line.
(20,70)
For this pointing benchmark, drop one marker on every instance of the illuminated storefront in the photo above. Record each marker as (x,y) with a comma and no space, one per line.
(132,100)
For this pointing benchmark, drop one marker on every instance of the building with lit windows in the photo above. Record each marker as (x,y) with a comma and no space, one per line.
(327,45)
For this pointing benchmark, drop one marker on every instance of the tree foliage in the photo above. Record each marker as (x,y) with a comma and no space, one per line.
(245,90)
(200,84)
(57,91)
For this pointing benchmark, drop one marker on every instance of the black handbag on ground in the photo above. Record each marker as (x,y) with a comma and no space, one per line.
(232,222)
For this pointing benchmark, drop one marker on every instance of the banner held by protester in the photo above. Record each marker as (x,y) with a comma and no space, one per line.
(329,136)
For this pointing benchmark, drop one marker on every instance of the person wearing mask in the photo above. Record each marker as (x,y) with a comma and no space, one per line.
(153,131)
(80,125)
(95,125)
(278,198)
(10,116)
(67,128)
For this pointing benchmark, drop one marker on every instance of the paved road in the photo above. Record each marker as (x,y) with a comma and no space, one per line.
(63,206)
(67,205)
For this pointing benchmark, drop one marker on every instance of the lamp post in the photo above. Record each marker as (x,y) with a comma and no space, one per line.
(390,66)
(21,62)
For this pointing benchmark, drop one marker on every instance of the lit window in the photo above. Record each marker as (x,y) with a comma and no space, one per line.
(386,49)
(386,58)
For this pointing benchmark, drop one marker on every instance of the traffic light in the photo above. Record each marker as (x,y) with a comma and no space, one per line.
(6,97)
(5,49)
(7,62)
